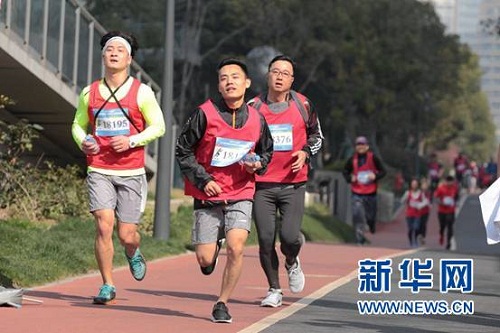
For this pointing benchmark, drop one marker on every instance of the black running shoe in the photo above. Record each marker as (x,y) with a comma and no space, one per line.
(220,313)
(210,269)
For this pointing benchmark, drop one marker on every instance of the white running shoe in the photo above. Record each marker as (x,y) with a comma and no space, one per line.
(296,278)
(273,299)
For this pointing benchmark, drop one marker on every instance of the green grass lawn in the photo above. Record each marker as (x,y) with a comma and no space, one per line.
(34,254)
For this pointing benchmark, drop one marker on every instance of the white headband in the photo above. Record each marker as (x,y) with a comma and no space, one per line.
(121,40)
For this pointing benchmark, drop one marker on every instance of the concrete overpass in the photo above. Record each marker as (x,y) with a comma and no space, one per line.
(49,51)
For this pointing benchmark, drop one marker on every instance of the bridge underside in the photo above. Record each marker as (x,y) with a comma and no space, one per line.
(41,98)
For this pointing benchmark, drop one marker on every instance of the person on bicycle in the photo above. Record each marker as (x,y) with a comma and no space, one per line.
(362,171)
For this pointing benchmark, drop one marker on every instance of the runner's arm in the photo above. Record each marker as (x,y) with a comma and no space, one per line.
(81,120)
(264,147)
(152,114)
(425,202)
(404,197)
(381,172)
(190,135)
(314,134)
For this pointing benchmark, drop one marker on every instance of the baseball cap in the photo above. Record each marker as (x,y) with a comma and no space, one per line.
(361,140)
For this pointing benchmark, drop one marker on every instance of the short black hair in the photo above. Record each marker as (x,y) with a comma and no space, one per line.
(414,179)
(450,178)
(233,61)
(283,58)
(134,45)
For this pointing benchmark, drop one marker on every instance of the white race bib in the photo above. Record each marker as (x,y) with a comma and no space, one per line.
(229,151)
(111,122)
(282,136)
(364,177)
(414,204)
(448,201)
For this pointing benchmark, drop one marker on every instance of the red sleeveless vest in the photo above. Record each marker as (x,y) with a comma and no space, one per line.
(411,210)
(434,170)
(235,181)
(357,186)
(103,130)
(280,168)
(446,195)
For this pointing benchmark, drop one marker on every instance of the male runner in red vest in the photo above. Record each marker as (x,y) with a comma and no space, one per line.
(362,171)
(211,152)
(123,116)
(297,136)
(447,195)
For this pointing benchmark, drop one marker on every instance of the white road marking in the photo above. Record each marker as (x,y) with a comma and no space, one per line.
(302,303)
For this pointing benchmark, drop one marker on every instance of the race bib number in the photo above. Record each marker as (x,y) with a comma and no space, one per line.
(229,151)
(433,173)
(111,122)
(364,177)
(414,204)
(282,137)
(448,201)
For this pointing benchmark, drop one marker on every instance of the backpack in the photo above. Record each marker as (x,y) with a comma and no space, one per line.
(298,98)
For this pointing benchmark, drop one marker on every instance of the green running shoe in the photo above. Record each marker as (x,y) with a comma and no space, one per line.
(107,294)
(137,265)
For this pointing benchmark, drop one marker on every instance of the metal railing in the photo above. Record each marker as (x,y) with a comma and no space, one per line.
(64,36)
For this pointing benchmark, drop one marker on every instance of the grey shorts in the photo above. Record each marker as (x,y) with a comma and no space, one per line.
(125,195)
(208,222)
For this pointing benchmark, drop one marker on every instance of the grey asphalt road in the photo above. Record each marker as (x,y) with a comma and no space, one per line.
(337,311)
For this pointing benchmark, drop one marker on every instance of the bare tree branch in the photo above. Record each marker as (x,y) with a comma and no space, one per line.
(312,72)
(224,40)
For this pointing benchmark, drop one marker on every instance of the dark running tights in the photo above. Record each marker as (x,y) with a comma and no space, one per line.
(289,202)
(423,225)
(446,222)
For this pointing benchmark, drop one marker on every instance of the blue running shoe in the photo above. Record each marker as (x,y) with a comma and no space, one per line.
(107,294)
(137,265)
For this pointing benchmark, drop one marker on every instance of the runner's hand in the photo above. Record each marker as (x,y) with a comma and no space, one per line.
(90,148)
(251,167)
(212,189)
(301,160)
(120,143)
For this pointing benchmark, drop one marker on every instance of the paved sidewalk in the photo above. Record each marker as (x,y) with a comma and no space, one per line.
(176,297)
